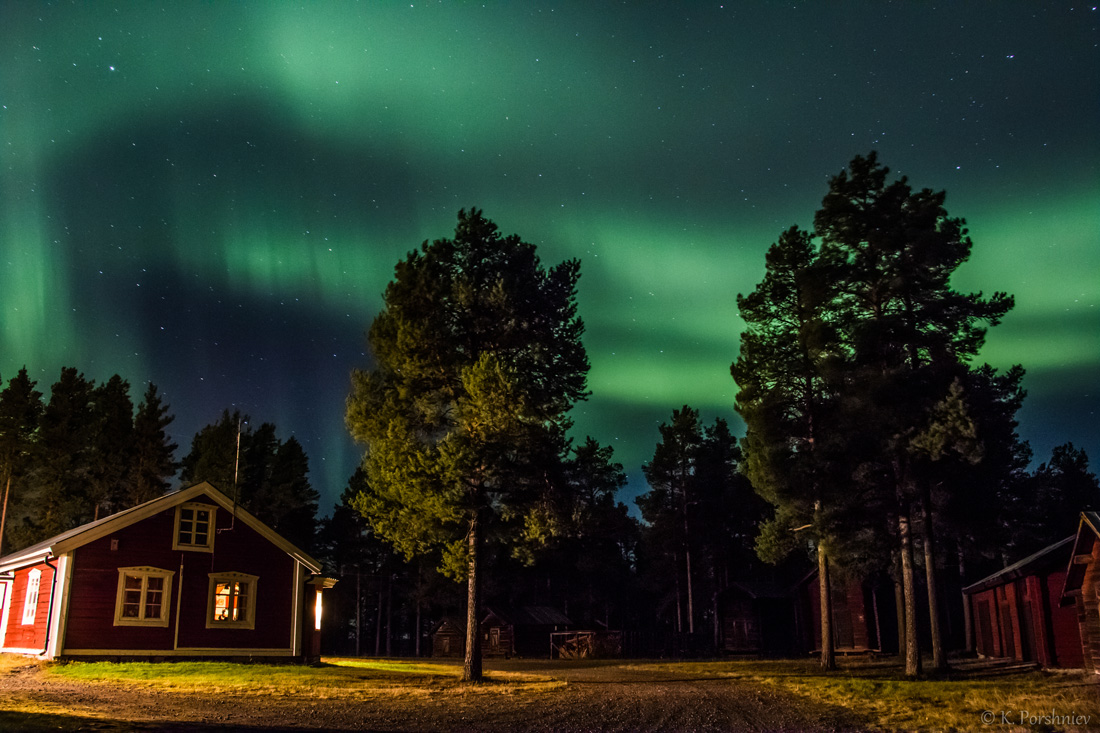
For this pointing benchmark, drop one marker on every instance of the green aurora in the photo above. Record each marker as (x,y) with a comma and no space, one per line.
(212,196)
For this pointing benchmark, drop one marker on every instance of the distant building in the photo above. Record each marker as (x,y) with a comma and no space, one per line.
(524,631)
(187,575)
(1017,613)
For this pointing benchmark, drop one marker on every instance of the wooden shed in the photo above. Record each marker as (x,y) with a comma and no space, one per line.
(857,623)
(449,638)
(185,575)
(524,631)
(758,618)
(1082,587)
(1016,613)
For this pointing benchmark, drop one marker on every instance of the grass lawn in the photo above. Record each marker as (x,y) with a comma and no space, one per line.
(974,696)
(335,677)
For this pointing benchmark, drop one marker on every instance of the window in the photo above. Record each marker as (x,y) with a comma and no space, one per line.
(232,601)
(30,601)
(144,597)
(194,527)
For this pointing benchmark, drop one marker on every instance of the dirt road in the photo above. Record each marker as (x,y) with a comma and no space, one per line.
(615,697)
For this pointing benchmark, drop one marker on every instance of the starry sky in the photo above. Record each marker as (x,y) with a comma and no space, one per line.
(212,196)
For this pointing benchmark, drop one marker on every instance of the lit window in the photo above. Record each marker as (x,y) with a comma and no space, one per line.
(194,527)
(144,596)
(30,601)
(232,601)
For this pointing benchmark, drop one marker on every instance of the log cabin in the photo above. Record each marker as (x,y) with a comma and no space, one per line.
(1016,613)
(186,575)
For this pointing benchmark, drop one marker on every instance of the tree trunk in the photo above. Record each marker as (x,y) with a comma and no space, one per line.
(389,615)
(899,600)
(912,644)
(378,625)
(4,512)
(471,667)
(358,611)
(690,599)
(967,622)
(939,659)
(825,596)
(679,608)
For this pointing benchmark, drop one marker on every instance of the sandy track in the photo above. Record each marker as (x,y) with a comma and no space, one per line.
(605,698)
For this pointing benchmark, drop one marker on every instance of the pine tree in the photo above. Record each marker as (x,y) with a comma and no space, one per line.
(110,450)
(153,453)
(891,253)
(786,371)
(20,411)
(478,358)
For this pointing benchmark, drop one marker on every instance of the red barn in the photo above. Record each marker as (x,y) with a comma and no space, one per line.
(1016,613)
(1082,587)
(185,575)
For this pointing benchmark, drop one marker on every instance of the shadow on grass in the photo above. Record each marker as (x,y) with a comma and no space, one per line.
(41,722)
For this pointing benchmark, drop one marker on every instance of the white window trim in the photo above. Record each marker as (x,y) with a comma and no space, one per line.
(248,621)
(166,601)
(209,546)
(30,599)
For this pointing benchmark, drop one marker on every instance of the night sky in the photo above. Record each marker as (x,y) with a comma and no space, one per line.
(212,196)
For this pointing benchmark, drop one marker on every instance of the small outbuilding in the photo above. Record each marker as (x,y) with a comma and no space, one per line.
(758,619)
(1017,613)
(1082,587)
(187,575)
(449,638)
(856,619)
(505,632)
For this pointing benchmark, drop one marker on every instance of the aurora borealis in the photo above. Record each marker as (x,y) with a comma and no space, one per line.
(212,196)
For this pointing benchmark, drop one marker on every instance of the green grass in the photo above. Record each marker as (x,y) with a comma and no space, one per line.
(970,697)
(875,690)
(336,677)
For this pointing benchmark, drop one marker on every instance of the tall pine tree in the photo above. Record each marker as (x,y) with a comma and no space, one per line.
(478,358)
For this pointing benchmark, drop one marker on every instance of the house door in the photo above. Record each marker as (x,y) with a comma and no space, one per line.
(494,639)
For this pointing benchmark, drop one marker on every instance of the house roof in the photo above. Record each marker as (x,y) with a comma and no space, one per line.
(761,589)
(1088,531)
(1053,555)
(85,533)
(530,616)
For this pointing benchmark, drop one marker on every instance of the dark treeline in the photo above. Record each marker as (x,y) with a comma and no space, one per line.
(86,452)
(82,454)
(875,448)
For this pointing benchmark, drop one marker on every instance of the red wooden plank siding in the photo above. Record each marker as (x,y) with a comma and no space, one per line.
(29,636)
(237,548)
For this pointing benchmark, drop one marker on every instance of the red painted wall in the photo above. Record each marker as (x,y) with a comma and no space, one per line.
(149,543)
(29,636)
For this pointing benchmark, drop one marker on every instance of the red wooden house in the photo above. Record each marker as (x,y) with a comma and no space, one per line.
(186,575)
(1016,613)
(857,625)
(1082,588)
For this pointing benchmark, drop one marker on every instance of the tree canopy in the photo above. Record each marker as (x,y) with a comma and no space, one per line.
(478,357)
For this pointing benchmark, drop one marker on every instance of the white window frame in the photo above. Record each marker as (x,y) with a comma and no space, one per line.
(30,599)
(189,543)
(246,618)
(144,573)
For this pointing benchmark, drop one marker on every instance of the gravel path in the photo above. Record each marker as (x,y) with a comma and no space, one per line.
(615,697)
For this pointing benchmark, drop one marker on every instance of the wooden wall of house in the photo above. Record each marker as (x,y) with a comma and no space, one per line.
(448,640)
(1064,634)
(29,636)
(1022,619)
(851,615)
(1088,612)
(237,547)
(497,638)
